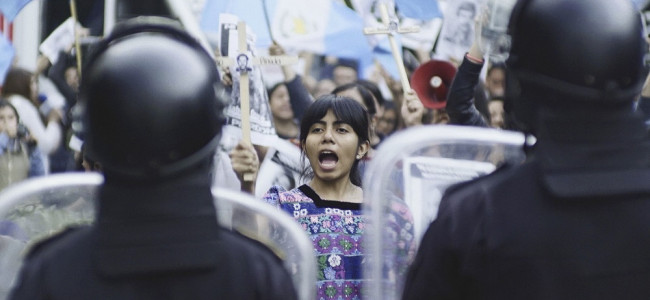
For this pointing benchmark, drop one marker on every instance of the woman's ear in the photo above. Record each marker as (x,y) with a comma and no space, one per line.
(363,148)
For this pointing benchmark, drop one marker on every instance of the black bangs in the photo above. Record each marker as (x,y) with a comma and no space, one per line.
(345,109)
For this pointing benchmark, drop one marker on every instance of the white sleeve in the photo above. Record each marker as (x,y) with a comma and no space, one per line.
(48,138)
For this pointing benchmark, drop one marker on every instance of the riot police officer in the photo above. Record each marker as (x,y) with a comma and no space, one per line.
(152,118)
(572,221)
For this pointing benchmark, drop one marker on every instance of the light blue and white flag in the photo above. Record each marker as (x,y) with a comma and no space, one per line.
(11,8)
(419,9)
(383,54)
(249,11)
(6,57)
(323,27)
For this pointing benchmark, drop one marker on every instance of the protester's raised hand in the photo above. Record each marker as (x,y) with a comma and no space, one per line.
(226,78)
(244,160)
(275,49)
(412,109)
(481,20)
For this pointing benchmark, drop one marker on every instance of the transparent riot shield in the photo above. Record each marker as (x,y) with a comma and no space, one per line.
(277,230)
(37,208)
(404,182)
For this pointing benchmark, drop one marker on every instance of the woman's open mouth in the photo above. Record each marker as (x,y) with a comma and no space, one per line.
(327,160)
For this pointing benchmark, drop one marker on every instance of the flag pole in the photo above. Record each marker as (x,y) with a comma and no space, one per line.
(268,22)
(77,44)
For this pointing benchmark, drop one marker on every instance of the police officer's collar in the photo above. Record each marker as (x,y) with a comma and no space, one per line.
(582,127)
(607,157)
(159,228)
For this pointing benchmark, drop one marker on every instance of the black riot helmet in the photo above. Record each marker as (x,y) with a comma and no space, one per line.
(152,103)
(591,52)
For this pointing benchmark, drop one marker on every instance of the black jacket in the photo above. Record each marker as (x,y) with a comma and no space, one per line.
(571,223)
(157,242)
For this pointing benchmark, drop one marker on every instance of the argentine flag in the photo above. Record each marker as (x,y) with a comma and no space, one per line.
(325,27)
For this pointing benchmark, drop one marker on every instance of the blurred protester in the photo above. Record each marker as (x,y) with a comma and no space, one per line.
(288,100)
(21,90)
(340,70)
(387,124)
(323,87)
(19,156)
(467,96)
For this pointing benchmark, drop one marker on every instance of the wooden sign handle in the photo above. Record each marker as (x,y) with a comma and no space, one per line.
(244,98)
(406,86)
(77,44)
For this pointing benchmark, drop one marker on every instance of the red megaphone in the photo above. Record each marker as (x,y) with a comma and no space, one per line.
(431,80)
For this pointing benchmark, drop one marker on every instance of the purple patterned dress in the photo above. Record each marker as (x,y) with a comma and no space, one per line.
(335,229)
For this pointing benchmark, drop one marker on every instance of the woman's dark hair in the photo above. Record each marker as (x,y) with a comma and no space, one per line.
(346,110)
(273,88)
(374,89)
(18,82)
(5,103)
(366,95)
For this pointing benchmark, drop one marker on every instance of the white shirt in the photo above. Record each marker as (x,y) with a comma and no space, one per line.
(48,137)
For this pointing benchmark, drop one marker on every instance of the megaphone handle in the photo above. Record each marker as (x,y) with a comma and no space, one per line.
(396,55)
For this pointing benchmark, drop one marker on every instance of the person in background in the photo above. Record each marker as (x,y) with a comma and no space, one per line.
(380,102)
(572,221)
(388,122)
(284,121)
(288,100)
(323,87)
(19,156)
(467,96)
(64,75)
(340,70)
(21,90)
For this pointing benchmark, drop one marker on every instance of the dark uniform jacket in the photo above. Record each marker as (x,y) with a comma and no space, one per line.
(571,223)
(159,242)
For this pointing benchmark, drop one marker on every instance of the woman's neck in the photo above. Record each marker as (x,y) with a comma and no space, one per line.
(286,128)
(339,190)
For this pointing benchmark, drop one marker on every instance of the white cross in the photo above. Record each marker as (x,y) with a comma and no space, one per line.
(391,28)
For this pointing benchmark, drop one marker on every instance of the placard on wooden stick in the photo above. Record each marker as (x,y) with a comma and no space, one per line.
(244,62)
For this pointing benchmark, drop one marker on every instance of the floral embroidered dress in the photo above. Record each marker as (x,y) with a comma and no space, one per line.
(335,229)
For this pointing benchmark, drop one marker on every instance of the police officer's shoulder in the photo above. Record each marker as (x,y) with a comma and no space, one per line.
(51,242)
(240,243)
